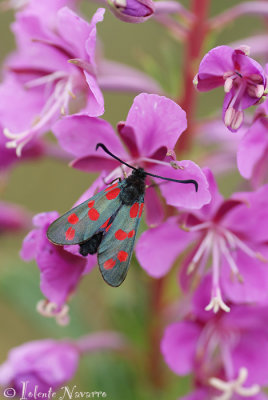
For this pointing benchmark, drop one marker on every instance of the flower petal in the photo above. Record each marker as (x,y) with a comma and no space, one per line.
(79,135)
(183,195)
(178,346)
(215,63)
(252,148)
(157,121)
(158,248)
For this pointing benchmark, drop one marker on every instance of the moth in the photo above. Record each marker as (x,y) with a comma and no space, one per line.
(107,223)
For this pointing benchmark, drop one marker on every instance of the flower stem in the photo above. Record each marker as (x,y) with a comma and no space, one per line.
(193,48)
(155,333)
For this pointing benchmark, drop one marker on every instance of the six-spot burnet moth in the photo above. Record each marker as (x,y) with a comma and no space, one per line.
(107,223)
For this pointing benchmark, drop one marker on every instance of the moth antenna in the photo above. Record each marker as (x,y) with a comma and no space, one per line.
(147,173)
(112,155)
(176,180)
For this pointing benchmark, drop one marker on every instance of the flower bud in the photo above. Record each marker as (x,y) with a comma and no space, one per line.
(134,11)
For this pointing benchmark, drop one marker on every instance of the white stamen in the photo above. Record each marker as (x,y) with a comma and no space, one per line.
(57,101)
(229,115)
(197,227)
(46,79)
(234,387)
(216,303)
(236,242)
(52,310)
(228,84)
(201,249)
(238,119)
(230,260)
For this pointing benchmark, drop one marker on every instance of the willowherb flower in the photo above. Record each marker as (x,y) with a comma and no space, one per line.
(134,11)
(221,351)
(252,154)
(227,236)
(150,132)
(44,365)
(243,79)
(53,71)
(60,268)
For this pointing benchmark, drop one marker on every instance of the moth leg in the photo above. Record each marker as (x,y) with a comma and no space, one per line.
(123,172)
(110,183)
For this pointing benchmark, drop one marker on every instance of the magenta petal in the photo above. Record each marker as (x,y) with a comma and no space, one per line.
(60,272)
(28,251)
(215,63)
(250,220)
(95,101)
(207,211)
(158,248)
(74,30)
(183,195)
(255,279)
(252,353)
(79,135)
(157,121)
(91,41)
(252,148)
(154,212)
(178,346)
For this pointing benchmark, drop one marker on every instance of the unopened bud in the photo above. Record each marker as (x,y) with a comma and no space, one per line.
(133,11)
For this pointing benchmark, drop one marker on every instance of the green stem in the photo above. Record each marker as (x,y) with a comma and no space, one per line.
(155,362)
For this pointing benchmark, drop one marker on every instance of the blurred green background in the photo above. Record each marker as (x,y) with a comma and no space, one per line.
(44,186)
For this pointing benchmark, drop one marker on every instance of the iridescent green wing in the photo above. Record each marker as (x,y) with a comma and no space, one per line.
(81,222)
(116,248)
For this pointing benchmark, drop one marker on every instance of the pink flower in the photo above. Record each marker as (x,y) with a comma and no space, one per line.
(232,232)
(43,363)
(221,351)
(252,155)
(243,79)
(60,269)
(150,132)
(52,71)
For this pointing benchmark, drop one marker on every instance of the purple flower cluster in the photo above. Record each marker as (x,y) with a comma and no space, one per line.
(54,81)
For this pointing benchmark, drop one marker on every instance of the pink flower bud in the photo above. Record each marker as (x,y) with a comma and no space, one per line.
(133,11)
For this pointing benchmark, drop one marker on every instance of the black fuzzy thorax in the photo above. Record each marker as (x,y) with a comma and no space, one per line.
(134,187)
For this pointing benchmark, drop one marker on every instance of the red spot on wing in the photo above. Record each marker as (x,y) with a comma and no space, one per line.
(131,233)
(134,210)
(109,264)
(73,219)
(93,214)
(122,256)
(108,227)
(141,209)
(111,187)
(91,203)
(105,223)
(112,194)
(120,235)
(69,234)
